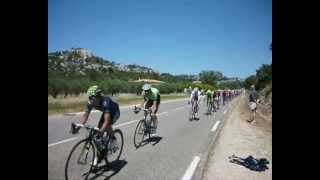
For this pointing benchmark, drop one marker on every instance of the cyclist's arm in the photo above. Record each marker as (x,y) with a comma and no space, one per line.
(142,105)
(191,96)
(84,118)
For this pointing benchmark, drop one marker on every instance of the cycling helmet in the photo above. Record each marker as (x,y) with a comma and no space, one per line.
(94,91)
(146,87)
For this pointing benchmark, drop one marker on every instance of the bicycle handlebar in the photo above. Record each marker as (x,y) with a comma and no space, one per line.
(143,109)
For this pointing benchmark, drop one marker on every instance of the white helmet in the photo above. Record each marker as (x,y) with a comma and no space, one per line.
(146,87)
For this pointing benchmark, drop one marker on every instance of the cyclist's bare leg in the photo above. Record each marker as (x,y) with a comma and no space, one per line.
(105,123)
(192,107)
(197,108)
(253,116)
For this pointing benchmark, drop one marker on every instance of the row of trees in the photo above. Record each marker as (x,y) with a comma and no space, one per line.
(74,86)
(262,77)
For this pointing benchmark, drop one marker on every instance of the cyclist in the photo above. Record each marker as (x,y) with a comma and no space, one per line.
(219,98)
(195,99)
(209,98)
(224,96)
(151,99)
(215,100)
(110,113)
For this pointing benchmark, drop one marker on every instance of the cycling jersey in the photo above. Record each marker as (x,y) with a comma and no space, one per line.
(152,95)
(215,94)
(107,105)
(224,94)
(195,95)
(209,94)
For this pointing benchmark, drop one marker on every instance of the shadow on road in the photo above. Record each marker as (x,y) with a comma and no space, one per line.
(115,167)
(194,119)
(155,139)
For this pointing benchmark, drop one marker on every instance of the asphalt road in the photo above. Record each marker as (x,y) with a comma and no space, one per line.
(181,143)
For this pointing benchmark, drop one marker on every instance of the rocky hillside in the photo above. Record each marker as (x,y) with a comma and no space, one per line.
(265,95)
(81,61)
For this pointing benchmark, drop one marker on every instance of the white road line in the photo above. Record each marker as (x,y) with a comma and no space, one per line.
(224,111)
(126,123)
(71,139)
(116,126)
(176,109)
(63,141)
(124,107)
(189,173)
(163,113)
(215,126)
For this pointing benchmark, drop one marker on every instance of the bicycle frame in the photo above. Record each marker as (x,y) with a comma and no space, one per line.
(145,115)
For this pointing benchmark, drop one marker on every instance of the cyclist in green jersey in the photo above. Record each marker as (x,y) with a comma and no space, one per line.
(209,97)
(151,99)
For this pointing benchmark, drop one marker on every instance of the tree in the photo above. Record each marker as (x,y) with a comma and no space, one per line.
(251,80)
(210,77)
(264,76)
(231,85)
(114,86)
(56,85)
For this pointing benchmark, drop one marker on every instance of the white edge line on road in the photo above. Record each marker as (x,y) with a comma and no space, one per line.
(163,113)
(72,139)
(126,123)
(116,126)
(215,126)
(192,167)
(63,141)
(176,109)
(125,107)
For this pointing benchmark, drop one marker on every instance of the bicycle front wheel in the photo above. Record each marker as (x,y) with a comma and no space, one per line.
(114,146)
(139,133)
(80,160)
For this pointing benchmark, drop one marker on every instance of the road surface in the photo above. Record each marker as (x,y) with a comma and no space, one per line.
(178,153)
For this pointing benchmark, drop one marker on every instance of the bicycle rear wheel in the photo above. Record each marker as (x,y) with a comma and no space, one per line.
(114,146)
(80,160)
(139,133)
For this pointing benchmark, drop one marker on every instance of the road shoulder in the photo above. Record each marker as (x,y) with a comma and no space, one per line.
(242,139)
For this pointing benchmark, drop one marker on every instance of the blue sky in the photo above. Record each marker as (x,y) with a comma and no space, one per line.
(174,36)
